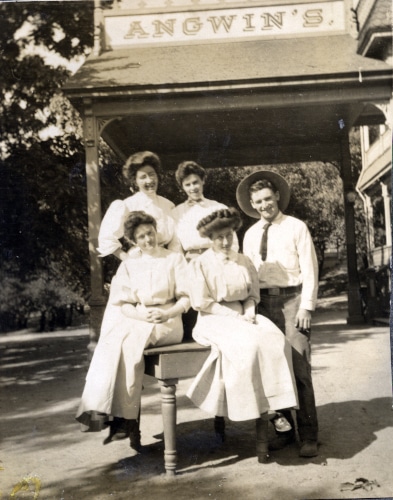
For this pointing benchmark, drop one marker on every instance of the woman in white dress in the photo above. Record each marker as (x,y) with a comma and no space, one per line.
(141,172)
(248,374)
(147,298)
(191,178)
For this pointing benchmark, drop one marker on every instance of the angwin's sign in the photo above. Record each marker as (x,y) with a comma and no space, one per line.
(225,24)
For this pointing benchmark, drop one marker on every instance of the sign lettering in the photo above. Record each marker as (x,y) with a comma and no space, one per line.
(160,27)
(225,24)
(272,21)
(225,21)
(312,17)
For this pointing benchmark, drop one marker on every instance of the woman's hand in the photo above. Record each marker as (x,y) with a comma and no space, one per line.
(249,313)
(158,316)
(143,314)
(249,317)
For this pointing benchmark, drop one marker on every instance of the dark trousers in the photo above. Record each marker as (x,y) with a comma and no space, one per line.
(282,311)
(189,319)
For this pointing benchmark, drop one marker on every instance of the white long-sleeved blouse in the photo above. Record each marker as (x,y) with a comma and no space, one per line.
(112,225)
(151,280)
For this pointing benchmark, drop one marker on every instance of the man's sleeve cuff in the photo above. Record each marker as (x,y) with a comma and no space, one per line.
(308,304)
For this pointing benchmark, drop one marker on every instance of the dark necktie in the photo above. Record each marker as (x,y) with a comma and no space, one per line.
(263,249)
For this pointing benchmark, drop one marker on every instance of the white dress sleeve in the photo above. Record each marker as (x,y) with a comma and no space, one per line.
(121,290)
(181,282)
(112,228)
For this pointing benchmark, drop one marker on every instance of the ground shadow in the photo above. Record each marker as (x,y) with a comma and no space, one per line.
(53,367)
(347,428)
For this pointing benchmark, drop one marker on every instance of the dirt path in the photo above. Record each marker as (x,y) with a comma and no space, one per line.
(42,380)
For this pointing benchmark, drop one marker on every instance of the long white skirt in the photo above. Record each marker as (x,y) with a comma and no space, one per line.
(114,380)
(249,370)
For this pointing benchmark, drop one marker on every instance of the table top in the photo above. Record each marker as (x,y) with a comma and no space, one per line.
(187,346)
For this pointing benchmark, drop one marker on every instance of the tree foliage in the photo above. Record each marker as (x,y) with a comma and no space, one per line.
(43,216)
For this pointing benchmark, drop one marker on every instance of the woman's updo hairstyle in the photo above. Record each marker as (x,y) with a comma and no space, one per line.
(220,219)
(187,168)
(135,162)
(134,220)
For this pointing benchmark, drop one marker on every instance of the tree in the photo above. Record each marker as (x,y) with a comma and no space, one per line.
(43,219)
(38,40)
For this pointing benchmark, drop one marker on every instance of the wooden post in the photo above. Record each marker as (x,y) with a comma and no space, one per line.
(97,300)
(355,315)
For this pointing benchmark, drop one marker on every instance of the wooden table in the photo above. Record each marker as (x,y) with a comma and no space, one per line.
(168,364)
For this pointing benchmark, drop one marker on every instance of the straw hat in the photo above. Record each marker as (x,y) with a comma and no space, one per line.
(243,193)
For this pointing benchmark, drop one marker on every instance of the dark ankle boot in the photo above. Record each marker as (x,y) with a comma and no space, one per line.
(219,428)
(119,428)
(262,426)
(135,436)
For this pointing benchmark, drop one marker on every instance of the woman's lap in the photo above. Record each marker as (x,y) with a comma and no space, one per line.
(233,333)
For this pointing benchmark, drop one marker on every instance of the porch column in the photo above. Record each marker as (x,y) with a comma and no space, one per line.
(355,315)
(97,300)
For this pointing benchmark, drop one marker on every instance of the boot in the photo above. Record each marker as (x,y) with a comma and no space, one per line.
(119,428)
(284,436)
(262,426)
(135,437)
(219,428)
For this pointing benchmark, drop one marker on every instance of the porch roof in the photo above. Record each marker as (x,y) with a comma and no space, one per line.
(239,103)
(273,62)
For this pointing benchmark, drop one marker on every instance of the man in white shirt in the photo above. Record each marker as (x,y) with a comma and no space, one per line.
(281,248)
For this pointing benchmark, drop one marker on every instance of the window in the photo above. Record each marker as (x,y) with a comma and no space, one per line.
(373,133)
(378,218)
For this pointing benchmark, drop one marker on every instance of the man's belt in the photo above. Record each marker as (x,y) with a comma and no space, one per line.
(289,290)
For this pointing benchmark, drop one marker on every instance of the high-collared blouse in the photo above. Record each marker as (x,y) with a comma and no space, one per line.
(187,215)
(214,278)
(112,225)
(151,280)
(291,259)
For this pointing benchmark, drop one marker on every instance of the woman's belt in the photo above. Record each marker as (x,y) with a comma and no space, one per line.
(193,252)
(171,301)
(196,251)
(283,291)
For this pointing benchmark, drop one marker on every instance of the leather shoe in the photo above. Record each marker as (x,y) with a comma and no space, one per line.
(282,440)
(135,437)
(308,449)
(119,428)
(280,423)
(219,428)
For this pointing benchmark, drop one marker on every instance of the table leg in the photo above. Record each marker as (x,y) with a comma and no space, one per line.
(168,403)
